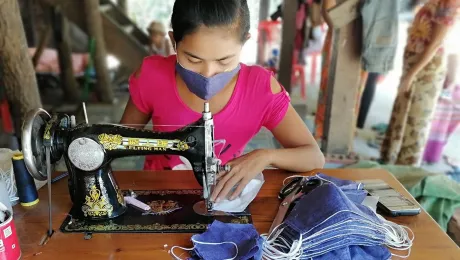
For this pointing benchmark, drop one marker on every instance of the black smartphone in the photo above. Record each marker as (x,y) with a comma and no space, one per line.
(391,202)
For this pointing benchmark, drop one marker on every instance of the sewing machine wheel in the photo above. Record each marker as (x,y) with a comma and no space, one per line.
(32,143)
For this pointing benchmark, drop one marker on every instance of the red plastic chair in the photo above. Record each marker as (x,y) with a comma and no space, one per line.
(7,123)
(298,71)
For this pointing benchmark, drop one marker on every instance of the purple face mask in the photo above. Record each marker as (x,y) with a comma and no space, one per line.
(205,88)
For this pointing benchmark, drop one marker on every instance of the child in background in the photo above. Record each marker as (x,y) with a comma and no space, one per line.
(159,44)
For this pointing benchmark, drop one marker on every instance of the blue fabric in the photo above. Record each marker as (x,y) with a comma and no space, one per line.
(334,224)
(243,235)
(328,200)
(357,253)
(354,191)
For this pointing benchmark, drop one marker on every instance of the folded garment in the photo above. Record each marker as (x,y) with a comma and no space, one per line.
(228,241)
(330,221)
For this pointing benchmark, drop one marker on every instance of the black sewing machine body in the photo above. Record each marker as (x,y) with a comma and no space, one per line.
(88,151)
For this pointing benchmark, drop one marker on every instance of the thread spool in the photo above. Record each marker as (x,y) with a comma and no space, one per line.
(27,191)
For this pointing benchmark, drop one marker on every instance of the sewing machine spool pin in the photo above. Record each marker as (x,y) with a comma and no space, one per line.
(88,151)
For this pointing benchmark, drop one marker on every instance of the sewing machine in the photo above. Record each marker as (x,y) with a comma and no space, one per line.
(88,151)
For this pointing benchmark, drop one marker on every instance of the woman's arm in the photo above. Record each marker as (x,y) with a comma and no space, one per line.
(325,6)
(301,152)
(438,36)
(133,117)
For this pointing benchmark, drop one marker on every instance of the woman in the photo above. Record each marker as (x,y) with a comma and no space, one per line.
(421,83)
(208,37)
(447,114)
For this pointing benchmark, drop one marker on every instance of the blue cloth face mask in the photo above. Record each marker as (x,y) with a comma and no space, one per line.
(205,88)
(331,223)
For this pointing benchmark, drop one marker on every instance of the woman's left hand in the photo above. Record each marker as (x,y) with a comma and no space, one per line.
(406,83)
(242,170)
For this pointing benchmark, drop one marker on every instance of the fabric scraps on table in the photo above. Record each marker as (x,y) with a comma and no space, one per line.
(226,241)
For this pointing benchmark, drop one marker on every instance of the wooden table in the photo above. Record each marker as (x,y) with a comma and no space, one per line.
(430,241)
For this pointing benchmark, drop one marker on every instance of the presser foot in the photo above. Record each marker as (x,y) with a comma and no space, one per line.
(201,209)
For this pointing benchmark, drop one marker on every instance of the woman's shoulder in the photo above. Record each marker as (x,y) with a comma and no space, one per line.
(256,75)
(155,67)
(158,62)
(257,70)
(261,80)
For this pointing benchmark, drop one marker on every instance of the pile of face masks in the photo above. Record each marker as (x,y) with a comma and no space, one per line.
(331,223)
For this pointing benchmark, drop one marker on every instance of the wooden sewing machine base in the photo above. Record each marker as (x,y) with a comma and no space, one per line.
(172,212)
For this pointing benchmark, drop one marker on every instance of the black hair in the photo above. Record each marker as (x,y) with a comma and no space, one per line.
(188,15)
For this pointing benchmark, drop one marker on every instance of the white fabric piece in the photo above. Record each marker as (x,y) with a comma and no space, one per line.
(371,202)
(240,203)
(3,211)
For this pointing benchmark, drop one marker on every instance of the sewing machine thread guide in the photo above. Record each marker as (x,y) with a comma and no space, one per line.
(84,112)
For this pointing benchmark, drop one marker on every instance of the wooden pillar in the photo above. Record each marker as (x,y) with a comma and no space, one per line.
(43,41)
(287,44)
(344,79)
(95,31)
(17,74)
(264,9)
(62,40)
(123,4)
(27,14)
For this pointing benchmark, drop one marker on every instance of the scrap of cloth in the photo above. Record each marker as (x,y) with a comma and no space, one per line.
(330,222)
(228,241)
(439,196)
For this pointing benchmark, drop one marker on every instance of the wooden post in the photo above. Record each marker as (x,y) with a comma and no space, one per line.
(344,79)
(17,74)
(62,40)
(287,44)
(27,14)
(123,4)
(95,31)
(264,9)
(44,38)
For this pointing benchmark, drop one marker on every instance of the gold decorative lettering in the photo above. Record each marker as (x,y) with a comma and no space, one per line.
(109,141)
(133,141)
(96,205)
(162,207)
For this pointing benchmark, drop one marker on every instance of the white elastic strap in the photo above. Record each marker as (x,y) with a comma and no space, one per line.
(294,176)
(396,235)
(203,243)
(171,251)
(273,243)
(219,142)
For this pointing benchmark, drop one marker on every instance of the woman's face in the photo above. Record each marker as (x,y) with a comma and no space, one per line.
(209,51)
